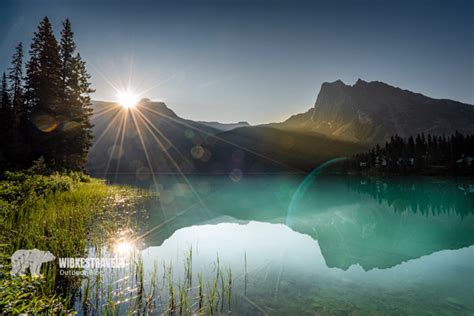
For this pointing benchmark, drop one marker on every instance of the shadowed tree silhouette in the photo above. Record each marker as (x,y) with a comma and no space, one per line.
(18,129)
(47,113)
(431,155)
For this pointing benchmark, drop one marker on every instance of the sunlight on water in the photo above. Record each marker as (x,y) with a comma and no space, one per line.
(354,246)
(123,247)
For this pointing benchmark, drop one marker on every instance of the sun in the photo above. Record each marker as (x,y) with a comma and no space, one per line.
(127,99)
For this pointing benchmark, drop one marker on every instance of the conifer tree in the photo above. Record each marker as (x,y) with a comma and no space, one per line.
(15,76)
(431,154)
(5,105)
(47,113)
(76,98)
(66,51)
(19,124)
(84,141)
(5,118)
(43,83)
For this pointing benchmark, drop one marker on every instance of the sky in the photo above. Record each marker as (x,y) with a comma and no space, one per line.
(257,61)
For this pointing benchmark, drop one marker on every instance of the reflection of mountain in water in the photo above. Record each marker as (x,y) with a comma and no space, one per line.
(353,220)
(373,237)
(394,221)
(283,270)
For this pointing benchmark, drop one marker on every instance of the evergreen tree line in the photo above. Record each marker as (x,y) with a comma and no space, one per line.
(421,154)
(45,104)
(422,197)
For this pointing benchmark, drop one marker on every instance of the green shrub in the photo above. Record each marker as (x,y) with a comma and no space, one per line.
(18,186)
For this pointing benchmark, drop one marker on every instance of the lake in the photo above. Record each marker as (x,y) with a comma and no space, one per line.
(319,244)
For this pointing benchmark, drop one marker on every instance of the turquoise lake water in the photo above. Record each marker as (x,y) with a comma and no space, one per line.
(327,245)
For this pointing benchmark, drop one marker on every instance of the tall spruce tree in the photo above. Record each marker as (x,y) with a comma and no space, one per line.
(85,137)
(20,115)
(66,51)
(15,75)
(76,92)
(44,86)
(5,105)
(48,112)
(6,119)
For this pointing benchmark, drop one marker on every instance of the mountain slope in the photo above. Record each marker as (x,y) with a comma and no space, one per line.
(265,149)
(373,111)
(151,138)
(150,135)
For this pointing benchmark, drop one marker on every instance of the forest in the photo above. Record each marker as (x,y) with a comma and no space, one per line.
(45,111)
(423,154)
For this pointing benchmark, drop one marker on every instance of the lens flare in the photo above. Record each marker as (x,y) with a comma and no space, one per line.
(127,99)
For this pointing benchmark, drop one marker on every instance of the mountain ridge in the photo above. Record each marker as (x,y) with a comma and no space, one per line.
(374,111)
(344,120)
(224,126)
(151,138)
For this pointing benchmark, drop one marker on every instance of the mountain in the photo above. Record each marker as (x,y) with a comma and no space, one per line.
(371,112)
(151,138)
(261,149)
(128,141)
(224,126)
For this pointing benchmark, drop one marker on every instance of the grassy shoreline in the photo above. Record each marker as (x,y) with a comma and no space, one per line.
(60,213)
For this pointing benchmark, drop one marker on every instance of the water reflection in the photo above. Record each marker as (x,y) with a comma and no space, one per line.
(352,244)
(356,221)
(433,197)
(283,271)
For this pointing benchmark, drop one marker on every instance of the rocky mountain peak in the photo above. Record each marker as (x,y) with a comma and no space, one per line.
(374,111)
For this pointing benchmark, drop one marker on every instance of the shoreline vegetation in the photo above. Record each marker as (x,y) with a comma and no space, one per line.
(63,213)
(72,215)
(168,289)
(423,155)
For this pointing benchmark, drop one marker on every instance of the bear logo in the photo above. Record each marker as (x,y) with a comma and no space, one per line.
(32,259)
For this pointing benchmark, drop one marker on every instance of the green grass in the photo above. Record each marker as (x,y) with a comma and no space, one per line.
(164,292)
(67,214)
(61,213)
